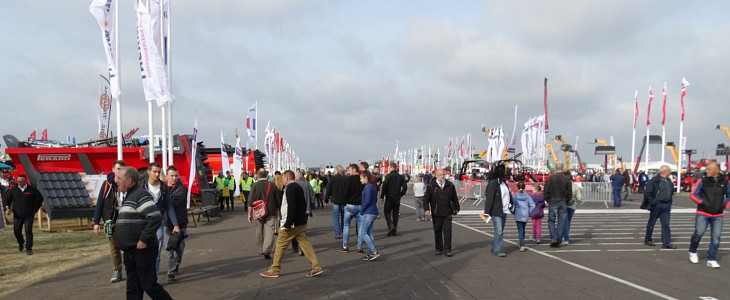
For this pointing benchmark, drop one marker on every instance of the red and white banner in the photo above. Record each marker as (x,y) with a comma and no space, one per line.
(44,135)
(149,44)
(193,151)
(33,135)
(636,107)
(103,11)
(648,109)
(664,105)
(685,84)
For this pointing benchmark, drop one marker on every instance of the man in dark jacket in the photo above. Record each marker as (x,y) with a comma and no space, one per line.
(441,202)
(558,191)
(24,201)
(658,199)
(336,194)
(293,226)
(712,195)
(136,228)
(179,202)
(353,193)
(498,203)
(161,196)
(268,192)
(617,183)
(107,208)
(394,187)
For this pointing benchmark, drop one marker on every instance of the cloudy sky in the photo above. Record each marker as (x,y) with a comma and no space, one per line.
(342,80)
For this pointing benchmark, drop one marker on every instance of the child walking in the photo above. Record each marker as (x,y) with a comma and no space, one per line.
(537,214)
(523,206)
(419,190)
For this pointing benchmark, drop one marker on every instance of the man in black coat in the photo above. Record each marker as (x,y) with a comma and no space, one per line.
(179,202)
(24,201)
(441,202)
(394,187)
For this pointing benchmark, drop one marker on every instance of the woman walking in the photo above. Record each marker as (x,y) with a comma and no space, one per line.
(497,205)
(368,213)
(537,213)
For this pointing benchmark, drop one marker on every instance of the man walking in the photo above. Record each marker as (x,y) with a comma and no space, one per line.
(617,182)
(441,202)
(269,193)
(353,206)
(336,194)
(658,200)
(558,190)
(394,188)
(137,225)
(107,208)
(24,201)
(712,195)
(179,202)
(246,183)
(293,226)
(161,197)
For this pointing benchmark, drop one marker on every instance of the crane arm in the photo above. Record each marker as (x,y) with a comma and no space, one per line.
(552,151)
(727,132)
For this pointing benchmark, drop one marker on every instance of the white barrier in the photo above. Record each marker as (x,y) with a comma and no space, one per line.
(596,192)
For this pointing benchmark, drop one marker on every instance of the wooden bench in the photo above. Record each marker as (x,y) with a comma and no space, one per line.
(207,211)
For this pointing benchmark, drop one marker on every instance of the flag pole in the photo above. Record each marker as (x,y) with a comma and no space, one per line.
(681,129)
(664,129)
(168,59)
(118,66)
(633,137)
(646,139)
(163,109)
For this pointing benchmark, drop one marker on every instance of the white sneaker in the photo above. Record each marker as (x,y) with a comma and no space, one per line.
(694,259)
(565,243)
(713,264)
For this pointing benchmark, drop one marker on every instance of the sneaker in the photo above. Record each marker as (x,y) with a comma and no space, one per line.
(501,254)
(522,249)
(116,276)
(669,246)
(29,252)
(554,243)
(359,250)
(537,241)
(713,264)
(269,274)
(448,253)
(649,243)
(266,256)
(313,274)
(344,249)
(20,247)
(693,258)
(437,252)
(565,243)
(170,278)
(301,253)
(375,256)
(366,258)
(338,237)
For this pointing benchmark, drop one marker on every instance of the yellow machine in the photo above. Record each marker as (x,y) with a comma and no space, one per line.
(673,150)
(559,138)
(603,142)
(552,151)
(727,132)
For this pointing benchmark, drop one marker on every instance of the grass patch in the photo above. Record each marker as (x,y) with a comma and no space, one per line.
(53,253)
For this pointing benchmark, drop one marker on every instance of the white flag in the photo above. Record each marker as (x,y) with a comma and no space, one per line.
(225,164)
(103,11)
(251,124)
(237,163)
(149,44)
(104,108)
(193,152)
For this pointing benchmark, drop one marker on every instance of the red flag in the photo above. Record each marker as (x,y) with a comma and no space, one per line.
(664,106)
(648,109)
(276,141)
(684,92)
(546,124)
(44,135)
(636,107)
(33,135)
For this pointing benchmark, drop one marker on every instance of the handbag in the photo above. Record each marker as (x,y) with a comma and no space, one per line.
(260,210)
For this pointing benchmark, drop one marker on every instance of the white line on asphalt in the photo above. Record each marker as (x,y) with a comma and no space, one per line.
(596,211)
(614,278)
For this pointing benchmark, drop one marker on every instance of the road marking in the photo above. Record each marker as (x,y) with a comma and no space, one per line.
(579,266)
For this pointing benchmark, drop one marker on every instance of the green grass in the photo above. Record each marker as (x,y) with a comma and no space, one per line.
(53,253)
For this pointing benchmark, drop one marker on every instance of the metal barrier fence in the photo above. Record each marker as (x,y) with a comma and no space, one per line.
(598,192)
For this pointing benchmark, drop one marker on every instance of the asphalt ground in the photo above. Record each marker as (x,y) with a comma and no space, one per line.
(605,260)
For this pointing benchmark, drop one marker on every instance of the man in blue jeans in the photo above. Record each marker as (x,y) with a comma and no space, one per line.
(658,200)
(335,194)
(558,190)
(352,209)
(617,182)
(712,195)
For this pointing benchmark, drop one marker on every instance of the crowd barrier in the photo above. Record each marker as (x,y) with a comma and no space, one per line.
(591,192)
(599,192)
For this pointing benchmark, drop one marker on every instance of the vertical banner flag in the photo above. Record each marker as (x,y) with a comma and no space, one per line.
(225,163)
(545,100)
(33,135)
(237,164)
(448,150)
(151,63)
(251,124)
(636,107)
(648,109)
(395,154)
(44,135)
(685,84)
(512,141)
(103,11)
(194,151)
(104,109)
(664,105)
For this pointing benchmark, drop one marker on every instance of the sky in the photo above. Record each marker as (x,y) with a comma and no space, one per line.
(343,80)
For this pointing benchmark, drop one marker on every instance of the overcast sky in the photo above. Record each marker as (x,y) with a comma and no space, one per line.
(342,80)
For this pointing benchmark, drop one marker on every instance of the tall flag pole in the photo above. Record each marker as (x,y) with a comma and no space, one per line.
(685,84)
(664,116)
(194,151)
(636,116)
(168,64)
(648,113)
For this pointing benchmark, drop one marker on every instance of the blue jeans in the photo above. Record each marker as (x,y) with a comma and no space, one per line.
(701,222)
(497,241)
(350,211)
(366,231)
(566,228)
(559,210)
(338,213)
(521,232)
(617,196)
(661,211)
(160,239)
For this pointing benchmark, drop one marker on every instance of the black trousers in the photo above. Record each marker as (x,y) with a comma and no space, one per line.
(391,209)
(18,224)
(442,232)
(141,274)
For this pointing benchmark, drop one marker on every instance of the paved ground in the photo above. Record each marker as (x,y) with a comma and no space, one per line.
(606,260)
